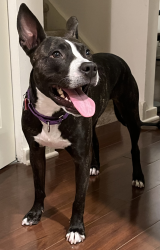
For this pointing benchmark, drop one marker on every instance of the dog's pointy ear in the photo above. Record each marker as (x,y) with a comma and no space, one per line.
(31,33)
(72,27)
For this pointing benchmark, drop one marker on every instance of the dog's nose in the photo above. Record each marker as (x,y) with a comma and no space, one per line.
(89,69)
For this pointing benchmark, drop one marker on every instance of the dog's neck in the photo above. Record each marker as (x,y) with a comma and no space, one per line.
(43,104)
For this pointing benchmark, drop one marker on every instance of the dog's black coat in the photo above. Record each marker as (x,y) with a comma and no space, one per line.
(116,82)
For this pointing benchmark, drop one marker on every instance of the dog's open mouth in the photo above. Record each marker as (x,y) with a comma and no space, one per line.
(75,101)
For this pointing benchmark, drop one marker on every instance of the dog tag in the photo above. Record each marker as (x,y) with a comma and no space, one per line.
(48,127)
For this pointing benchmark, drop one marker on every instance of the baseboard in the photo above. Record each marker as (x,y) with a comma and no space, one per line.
(49,154)
(147,114)
(152,119)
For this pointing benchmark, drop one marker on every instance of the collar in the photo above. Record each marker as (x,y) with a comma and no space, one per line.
(49,120)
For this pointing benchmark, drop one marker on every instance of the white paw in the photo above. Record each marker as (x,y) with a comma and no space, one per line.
(137,183)
(26,222)
(94,171)
(74,238)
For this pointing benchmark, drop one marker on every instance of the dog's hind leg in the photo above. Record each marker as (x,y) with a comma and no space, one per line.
(132,121)
(118,115)
(95,164)
(134,130)
(38,163)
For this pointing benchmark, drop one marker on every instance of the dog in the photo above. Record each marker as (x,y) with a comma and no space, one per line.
(69,90)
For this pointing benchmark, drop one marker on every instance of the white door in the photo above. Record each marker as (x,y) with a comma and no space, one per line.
(7,139)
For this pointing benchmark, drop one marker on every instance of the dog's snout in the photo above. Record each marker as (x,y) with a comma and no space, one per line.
(89,69)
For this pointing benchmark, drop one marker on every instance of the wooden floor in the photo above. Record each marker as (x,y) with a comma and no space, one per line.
(117,216)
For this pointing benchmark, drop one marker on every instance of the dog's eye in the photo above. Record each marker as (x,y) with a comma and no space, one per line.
(56,54)
(88,52)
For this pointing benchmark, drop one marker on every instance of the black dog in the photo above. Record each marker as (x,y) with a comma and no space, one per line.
(69,90)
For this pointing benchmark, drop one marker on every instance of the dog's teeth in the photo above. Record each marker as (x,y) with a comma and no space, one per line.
(60,91)
(66,99)
(62,95)
(69,100)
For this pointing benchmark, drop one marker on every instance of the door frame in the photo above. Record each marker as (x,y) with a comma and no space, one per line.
(15,74)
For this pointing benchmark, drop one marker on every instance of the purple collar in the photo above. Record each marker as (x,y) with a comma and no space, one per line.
(49,120)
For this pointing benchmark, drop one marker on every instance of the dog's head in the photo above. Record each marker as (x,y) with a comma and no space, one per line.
(62,67)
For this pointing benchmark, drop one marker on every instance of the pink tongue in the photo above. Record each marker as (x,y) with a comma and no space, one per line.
(84,104)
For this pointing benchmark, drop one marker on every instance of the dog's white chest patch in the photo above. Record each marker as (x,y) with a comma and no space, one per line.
(52,138)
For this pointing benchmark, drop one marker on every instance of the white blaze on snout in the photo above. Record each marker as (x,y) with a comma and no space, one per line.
(74,69)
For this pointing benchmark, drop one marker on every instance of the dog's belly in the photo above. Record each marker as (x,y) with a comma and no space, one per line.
(52,138)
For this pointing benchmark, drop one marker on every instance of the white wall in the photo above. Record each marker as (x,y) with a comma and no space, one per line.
(53,20)
(126,28)
(94,20)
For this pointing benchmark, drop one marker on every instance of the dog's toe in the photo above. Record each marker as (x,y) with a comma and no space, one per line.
(137,183)
(94,171)
(29,222)
(25,222)
(74,238)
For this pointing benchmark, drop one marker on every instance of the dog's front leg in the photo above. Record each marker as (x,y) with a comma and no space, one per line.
(76,231)
(37,159)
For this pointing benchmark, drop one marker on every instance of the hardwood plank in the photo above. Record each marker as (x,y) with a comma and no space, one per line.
(20,174)
(116,178)
(111,202)
(110,182)
(64,155)
(115,229)
(148,240)
(9,186)
(109,135)
(54,228)
(111,127)
(18,197)
(98,203)
(116,135)
(57,195)
(150,153)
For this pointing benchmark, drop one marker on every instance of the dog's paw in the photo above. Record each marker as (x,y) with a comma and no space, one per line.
(94,171)
(30,220)
(32,217)
(138,180)
(138,183)
(74,237)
